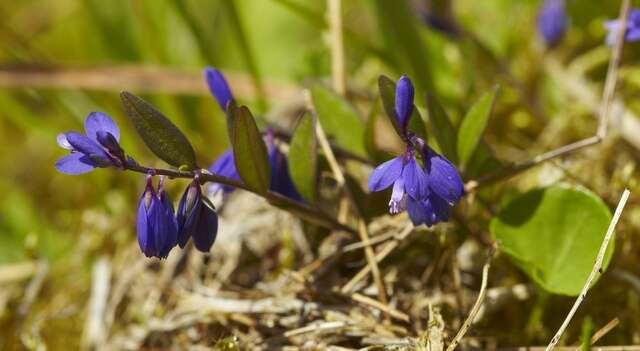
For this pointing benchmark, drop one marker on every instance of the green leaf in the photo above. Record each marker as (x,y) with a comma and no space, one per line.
(303,158)
(159,134)
(401,32)
(443,129)
(249,150)
(473,125)
(388,95)
(554,235)
(339,119)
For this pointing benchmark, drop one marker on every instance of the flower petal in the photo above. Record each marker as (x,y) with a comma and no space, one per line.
(142,226)
(404,101)
(170,234)
(90,148)
(398,200)
(204,233)
(415,180)
(97,121)
(386,174)
(75,163)
(218,87)
(420,212)
(62,141)
(188,212)
(443,177)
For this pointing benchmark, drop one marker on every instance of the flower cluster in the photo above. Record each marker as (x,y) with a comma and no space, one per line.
(98,148)
(159,229)
(632,32)
(552,21)
(225,165)
(424,183)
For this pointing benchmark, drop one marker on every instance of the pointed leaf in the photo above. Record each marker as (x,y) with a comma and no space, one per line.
(473,125)
(303,158)
(388,95)
(339,119)
(443,129)
(159,134)
(249,149)
(554,235)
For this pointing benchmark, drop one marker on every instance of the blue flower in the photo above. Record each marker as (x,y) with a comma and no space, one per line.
(224,166)
(280,181)
(425,187)
(98,148)
(633,28)
(156,224)
(196,218)
(218,87)
(404,102)
(552,21)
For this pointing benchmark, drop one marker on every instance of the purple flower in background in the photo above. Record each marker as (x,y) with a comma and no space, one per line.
(280,181)
(552,21)
(224,166)
(633,28)
(196,218)
(280,178)
(156,224)
(425,187)
(98,148)
(218,87)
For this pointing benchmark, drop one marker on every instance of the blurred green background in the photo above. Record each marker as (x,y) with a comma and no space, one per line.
(268,46)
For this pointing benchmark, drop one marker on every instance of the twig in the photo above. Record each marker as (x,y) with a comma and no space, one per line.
(363,232)
(476,306)
(382,307)
(34,287)
(316,328)
(603,117)
(601,332)
(95,332)
(596,271)
(386,250)
(334,8)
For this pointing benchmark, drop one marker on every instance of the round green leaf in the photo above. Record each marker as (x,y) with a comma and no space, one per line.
(553,235)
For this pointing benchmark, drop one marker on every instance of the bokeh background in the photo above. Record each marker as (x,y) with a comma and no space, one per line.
(60,60)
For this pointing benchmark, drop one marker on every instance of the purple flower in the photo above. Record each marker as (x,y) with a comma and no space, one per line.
(196,218)
(633,28)
(552,21)
(406,176)
(425,187)
(404,102)
(218,87)
(280,181)
(156,225)
(224,166)
(98,148)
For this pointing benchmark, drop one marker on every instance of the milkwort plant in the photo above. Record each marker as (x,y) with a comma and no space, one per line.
(424,182)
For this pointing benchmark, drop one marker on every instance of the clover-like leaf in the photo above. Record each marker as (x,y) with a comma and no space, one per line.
(160,135)
(303,158)
(554,235)
(249,149)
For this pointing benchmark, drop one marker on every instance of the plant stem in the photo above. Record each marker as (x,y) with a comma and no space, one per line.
(305,211)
